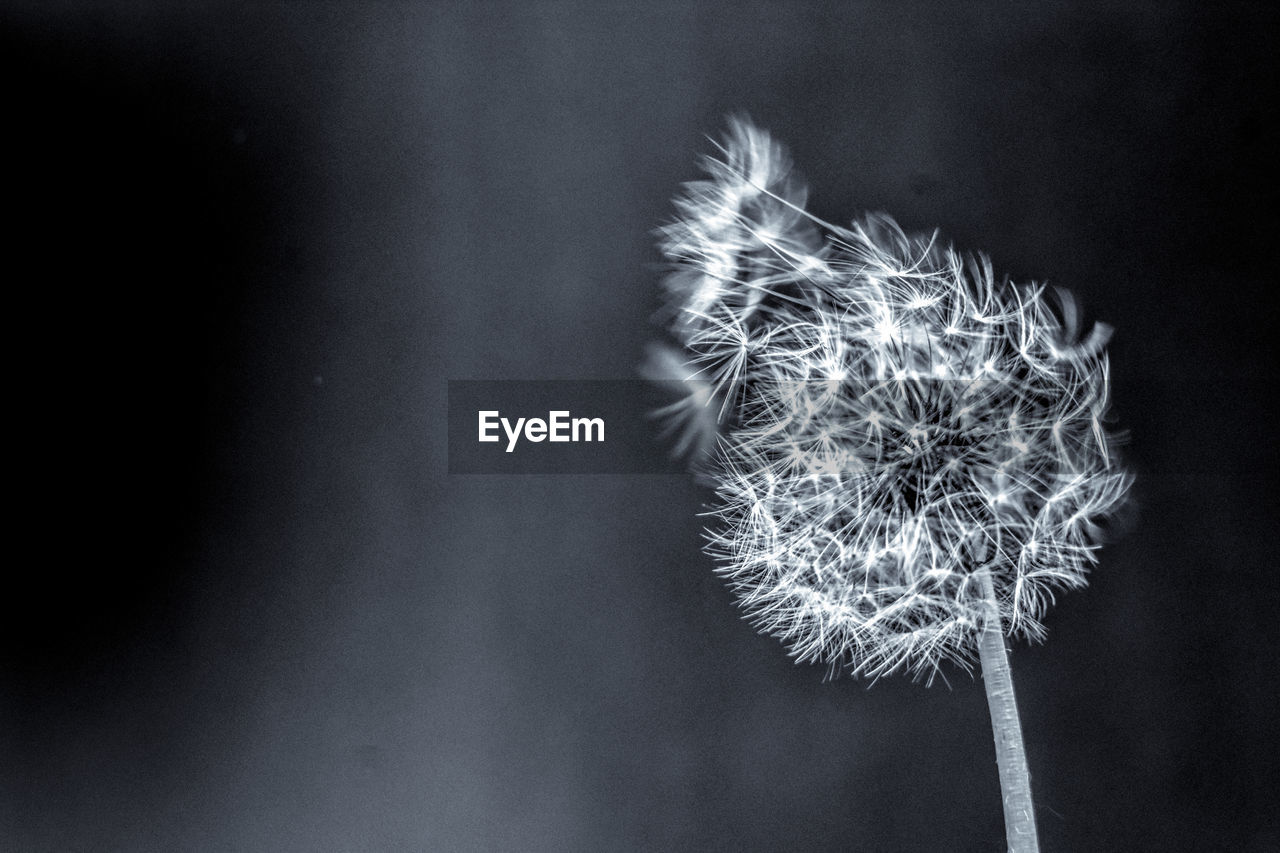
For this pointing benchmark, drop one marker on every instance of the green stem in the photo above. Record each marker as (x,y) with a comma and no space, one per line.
(1011,755)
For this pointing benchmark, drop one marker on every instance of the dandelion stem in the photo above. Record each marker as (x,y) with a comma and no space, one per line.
(1011,755)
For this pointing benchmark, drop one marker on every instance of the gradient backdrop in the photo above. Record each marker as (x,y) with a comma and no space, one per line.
(247,245)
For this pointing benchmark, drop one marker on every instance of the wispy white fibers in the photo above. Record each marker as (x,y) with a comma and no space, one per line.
(894,422)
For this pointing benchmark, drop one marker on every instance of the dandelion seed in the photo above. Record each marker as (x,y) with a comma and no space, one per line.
(911,457)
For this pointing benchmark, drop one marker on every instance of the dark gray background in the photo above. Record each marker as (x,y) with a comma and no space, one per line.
(248,245)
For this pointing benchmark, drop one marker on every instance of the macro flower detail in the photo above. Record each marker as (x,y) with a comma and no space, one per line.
(910,450)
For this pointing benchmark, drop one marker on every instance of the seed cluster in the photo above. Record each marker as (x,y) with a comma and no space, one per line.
(906,447)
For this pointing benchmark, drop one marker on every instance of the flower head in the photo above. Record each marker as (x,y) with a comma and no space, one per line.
(908,446)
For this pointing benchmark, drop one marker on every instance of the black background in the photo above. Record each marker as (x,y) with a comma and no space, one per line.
(246,246)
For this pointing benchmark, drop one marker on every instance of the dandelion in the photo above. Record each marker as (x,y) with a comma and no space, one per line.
(909,455)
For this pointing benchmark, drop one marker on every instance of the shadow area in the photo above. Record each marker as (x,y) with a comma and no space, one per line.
(136,221)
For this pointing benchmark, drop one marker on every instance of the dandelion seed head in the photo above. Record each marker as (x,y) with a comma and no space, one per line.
(893,427)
